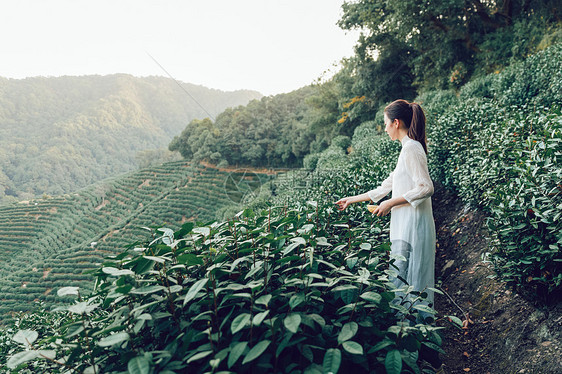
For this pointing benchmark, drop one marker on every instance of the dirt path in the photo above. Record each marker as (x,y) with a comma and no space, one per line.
(506,333)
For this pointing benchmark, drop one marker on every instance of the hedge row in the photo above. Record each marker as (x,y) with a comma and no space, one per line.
(499,146)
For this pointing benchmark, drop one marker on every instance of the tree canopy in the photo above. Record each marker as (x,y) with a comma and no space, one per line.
(272,131)
(433,44)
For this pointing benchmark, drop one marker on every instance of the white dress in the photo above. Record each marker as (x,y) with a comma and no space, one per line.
(412,229)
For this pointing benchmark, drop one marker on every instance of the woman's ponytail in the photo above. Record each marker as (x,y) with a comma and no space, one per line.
(416,130)
(413,117)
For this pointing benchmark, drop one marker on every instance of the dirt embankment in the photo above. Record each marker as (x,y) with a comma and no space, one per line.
(506,332)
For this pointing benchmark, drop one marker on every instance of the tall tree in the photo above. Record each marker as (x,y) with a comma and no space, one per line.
(430,38)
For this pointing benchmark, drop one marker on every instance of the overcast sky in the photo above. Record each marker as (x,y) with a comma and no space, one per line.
(271,46)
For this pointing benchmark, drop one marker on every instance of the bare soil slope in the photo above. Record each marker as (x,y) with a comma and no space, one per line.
(506,333)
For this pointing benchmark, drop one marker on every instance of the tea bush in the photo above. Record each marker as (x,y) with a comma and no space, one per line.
(43,322)
(281,290)
(49,237)
(500,149)
(526,211)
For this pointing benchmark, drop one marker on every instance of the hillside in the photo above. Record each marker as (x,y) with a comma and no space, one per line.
(49,243)
(276,131)
(61,134)
(507,333)
(292,285)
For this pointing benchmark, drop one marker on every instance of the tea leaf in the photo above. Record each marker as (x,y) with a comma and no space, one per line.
(236,352)
(114,339)
(292,322)
(139,365)
(347,332)
(256,351)
(353,347)
(194,290)
(240,322)
(25,337)
(332,361)
(393,362)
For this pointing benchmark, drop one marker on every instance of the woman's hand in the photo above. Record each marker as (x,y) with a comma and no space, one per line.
(383,209)
(344,203)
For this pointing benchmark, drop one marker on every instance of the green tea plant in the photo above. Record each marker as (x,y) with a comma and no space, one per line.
(43,323)
(280,290)
(526,211)
(47,243)
(500,149)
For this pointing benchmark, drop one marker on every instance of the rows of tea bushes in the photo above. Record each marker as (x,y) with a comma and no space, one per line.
(47,243)
(295,287)
(499,145)
(282,290)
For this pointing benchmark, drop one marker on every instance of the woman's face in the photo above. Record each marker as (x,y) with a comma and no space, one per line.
(390,127)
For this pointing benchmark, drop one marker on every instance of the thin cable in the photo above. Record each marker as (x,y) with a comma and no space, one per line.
(182,87)
(465,315)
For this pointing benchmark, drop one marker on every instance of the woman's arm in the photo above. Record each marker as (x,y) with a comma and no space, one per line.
(346,201)
(374,195)
(416,167)
(383,190)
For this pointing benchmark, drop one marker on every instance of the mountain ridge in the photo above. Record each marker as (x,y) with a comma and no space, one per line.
(61,134)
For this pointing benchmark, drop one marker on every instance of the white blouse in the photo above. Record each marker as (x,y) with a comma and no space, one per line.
(412,223)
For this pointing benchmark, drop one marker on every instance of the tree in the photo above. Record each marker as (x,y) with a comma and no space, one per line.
(423,41)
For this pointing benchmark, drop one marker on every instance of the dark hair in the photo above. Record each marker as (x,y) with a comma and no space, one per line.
(413,117)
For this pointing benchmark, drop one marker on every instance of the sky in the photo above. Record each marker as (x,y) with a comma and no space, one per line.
(271,46)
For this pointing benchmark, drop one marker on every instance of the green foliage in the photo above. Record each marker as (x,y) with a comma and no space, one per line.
(62,134)
(552,36)
(341,142)
(272,131)
(526,212)
(278,290)
(33,327)
(310,161)
(282,130)
(500,147)
(514,42)
(410,47)
(52,242)
(537,81)
(153,157)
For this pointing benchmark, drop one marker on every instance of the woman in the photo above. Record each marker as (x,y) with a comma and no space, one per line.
(412,229)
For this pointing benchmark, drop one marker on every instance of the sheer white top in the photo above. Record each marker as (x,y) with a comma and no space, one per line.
(412,223)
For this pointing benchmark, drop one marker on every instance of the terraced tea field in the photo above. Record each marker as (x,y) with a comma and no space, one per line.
(48,243)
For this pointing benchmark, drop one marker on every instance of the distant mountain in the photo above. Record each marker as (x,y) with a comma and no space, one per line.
(61,134)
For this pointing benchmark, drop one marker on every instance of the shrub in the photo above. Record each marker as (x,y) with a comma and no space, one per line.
(341,141)
(537,81)
(276,291)
(525,212)
(503,156)
(479,87)
(310,161)
(332,158)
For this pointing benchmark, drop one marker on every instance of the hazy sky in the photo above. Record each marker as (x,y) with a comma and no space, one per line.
(272,46)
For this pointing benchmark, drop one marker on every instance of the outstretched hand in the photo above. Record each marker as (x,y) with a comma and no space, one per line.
(343,203)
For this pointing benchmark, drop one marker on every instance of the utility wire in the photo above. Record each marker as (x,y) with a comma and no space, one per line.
(182,87)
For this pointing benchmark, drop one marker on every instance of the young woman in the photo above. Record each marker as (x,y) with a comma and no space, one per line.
(412,229)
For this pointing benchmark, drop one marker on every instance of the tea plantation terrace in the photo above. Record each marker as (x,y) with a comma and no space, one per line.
(49,243)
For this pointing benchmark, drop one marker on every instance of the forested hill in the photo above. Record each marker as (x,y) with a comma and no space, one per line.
(61,134)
